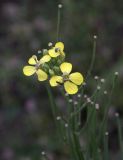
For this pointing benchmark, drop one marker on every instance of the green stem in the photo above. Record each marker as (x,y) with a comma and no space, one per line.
(93,58)
(120,135)
(55,112)
(73,138)
(52,101)
(106,150)
(92,121)
(58,22)
(105,118)
(76,136)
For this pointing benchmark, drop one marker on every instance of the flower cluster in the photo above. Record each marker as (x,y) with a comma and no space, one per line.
(52,67)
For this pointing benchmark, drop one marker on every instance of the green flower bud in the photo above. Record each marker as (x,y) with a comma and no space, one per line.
(59,61)
(45,52)
(54,60)
(45,66)
(56,69)
(51,72)
(62,58)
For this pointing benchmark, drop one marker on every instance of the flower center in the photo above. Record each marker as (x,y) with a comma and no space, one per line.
(65,76)
(37,65)
(57,49)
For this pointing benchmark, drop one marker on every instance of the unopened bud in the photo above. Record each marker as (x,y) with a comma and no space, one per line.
(88,100)
(45,52)
(51,72)
(66,125)
(98,87)
(39,51)
(116,73)
(105,92)
(43,153)
(85,96)
(56,69)
(66,94)
(84,84)
(75,103)
(79,95)
(50,44)
(58,118)
(95,36)
(45,66)
(106,133)
(97,106)
(60,6)
(92,102)
(70,100)
(102,80)
(116,114)
(96,77)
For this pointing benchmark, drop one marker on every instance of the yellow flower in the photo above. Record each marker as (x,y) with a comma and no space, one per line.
(71,81)
(57,50)
(34,67)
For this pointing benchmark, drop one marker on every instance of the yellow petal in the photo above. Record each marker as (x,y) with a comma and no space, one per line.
(70,87)
(59,45)
(45,59)
(42,76)
(53,54)
(32,60)
(76,78)
(66,67)
(29,70)
(55,80)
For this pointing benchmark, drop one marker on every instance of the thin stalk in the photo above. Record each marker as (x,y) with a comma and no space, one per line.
(105,118)
(93,57)
(105,144)
(76,143)
(52,102)
(70,137)
(76,136)
(120,136)
(92,121)
(58,21)
(55,111)
(77,107)
(73,138)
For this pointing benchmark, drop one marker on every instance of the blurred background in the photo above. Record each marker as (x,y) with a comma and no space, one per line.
(26,26)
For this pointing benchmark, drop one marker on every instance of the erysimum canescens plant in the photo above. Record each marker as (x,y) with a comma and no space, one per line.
(53,68)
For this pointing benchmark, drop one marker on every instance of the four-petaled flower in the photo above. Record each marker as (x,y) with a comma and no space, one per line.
(35,67)
(71,81)
(57,50)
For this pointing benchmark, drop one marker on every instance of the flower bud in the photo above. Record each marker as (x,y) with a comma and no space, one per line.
(45,66)
(59,61)
(51,72)
(116,73)
(56,69)
(45,52)
(60,6)
(39,51)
